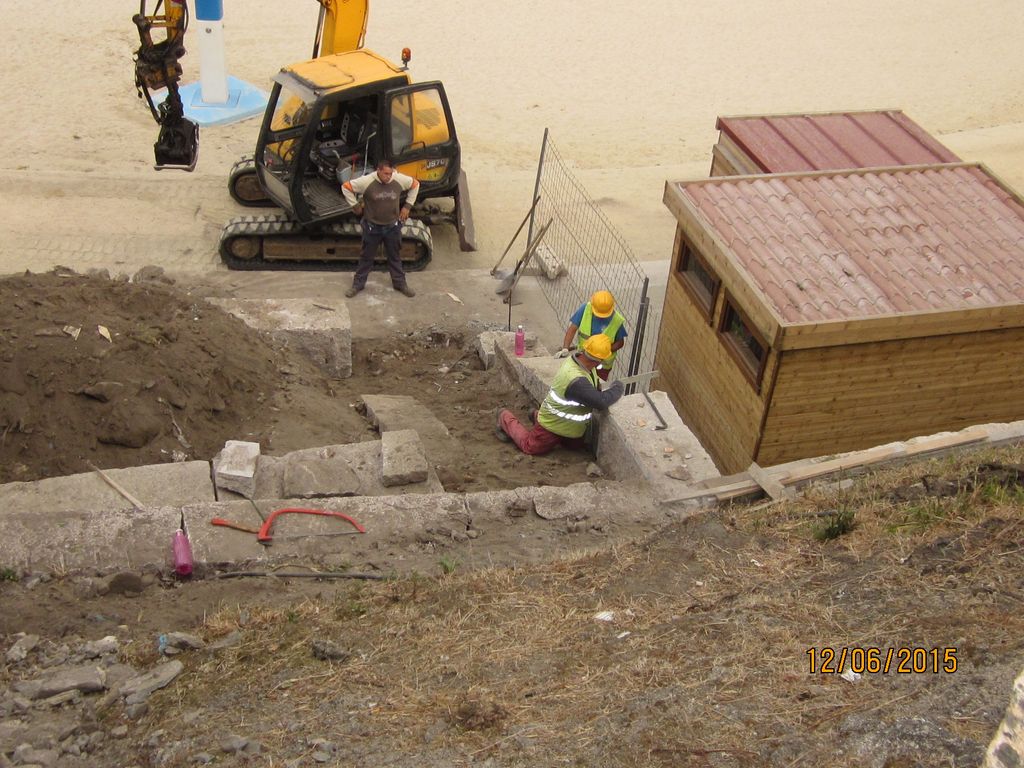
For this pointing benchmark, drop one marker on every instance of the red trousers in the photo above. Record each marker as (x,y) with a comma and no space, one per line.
(535,441)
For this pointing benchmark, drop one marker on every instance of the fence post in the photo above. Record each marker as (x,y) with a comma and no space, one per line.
(536,185)
(636,351)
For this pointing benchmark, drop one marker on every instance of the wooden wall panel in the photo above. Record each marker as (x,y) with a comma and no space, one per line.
(834,399)
(705,383)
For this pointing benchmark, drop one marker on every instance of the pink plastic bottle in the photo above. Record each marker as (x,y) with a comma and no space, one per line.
(520,341)
(182,549)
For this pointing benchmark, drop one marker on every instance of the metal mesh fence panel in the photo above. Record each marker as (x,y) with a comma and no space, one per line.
(595,256)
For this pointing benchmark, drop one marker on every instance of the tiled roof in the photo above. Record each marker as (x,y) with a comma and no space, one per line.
(855,244)
(821,142)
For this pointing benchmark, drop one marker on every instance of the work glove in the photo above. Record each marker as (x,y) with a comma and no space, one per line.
(563,352)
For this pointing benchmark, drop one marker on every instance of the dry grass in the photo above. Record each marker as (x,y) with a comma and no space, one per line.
(704,661)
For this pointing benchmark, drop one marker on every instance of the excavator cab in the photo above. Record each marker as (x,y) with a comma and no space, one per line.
(330,119)
(317,135)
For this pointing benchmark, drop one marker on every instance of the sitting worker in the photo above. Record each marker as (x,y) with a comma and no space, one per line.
(566,412)
(598,315)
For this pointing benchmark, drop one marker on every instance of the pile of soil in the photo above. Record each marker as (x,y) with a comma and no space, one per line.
(117,373)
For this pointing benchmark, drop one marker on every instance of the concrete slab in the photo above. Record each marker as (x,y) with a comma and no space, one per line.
(394,412)
(402,459)
(234,467)
(320,478)
(322,474)
(156,484)
(667,460)
(319,329)
(533,371)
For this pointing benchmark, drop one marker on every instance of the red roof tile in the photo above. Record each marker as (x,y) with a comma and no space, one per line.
(858,244)
(821,142)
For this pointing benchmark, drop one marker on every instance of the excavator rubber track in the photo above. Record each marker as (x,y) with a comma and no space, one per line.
(272,241)
(244,185)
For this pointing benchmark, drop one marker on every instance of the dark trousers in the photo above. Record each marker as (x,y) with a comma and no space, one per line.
(373,236)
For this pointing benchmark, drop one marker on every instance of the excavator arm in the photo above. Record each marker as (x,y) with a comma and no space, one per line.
(157,65)
(342,26)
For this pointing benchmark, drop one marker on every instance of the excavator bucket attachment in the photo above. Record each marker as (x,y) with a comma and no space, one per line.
(177,146)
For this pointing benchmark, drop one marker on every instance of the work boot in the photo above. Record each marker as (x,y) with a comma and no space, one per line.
(405,289)
(352,291)
(499,431)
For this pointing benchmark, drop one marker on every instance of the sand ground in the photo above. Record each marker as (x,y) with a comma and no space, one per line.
(630,93)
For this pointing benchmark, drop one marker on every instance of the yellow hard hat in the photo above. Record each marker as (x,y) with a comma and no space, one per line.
(603,303)
(598,347)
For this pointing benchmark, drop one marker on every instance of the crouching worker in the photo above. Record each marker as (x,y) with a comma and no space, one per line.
(566,412)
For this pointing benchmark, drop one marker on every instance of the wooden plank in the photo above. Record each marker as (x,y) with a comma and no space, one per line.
(976,434)
(771,486)
(844,463)
(909,325)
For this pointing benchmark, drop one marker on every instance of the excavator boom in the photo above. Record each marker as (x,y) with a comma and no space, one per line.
(342,26)
(157,65)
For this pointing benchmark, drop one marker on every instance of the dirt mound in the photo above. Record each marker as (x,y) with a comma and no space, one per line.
(117,373)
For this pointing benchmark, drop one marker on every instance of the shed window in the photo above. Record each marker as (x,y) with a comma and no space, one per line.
(698,278)
(746,346)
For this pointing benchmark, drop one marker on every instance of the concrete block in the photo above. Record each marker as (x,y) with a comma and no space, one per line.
(1011,432)
(402,459)
(487,344)
(315,471)
(320,478)
(157,484)
(321,330)
(550,263)
(395,412)
(668,460)
(234,468)
(577,500)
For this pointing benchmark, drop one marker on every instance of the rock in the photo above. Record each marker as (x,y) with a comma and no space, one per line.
(21,649)
(327,650)
(402,458)
(239,745)
(152,274)
(594,471)
(85,679)
(138,689)
(234,468)
(136,710)
(120,584)
(319,479)
(227,641)
(131,422)
(26,755)
(119,731)
(103,647)
(103,391)
(176,642)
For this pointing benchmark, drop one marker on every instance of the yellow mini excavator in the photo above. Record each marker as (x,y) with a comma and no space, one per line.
(330,119)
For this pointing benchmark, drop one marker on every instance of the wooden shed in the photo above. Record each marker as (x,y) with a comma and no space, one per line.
(812,313)
(829,141)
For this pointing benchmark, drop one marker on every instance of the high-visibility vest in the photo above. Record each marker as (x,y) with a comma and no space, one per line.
(611,330)
(558,414)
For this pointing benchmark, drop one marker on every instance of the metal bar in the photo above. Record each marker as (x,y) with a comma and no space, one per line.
(536,188)
(526,218)
(662,423)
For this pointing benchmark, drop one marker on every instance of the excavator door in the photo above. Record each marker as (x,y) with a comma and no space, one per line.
(420,137)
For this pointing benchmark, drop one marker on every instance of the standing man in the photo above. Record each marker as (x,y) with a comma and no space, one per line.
(598,315)
(566,412)
(382,217)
